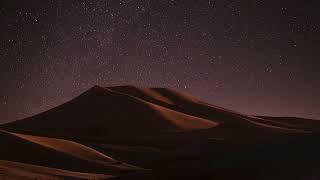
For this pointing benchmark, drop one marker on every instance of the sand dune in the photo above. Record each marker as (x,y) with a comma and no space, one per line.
(129,110)
(124,110)
(57,153)
(183,121)
(73,149)
(181,102)
(169,134)
(102,112)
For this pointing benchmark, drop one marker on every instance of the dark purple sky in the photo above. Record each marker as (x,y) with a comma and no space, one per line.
(253,56)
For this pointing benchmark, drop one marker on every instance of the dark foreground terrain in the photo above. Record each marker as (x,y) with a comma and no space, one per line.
(128,132)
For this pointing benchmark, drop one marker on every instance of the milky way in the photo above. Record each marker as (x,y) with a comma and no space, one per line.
(253,56)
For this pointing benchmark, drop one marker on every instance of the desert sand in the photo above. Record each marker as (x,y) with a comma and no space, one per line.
(129,132)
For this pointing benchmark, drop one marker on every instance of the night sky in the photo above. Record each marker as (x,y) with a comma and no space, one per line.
(252,56)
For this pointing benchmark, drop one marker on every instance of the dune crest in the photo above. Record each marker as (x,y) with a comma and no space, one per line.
(144,93)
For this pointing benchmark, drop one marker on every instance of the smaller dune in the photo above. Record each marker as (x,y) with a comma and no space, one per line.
(58,153)
(75,149)
(69,147)
(15,170)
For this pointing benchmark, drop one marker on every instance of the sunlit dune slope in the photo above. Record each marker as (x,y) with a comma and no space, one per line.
(230,120)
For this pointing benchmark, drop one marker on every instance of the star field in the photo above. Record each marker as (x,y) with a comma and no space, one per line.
(253,56)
